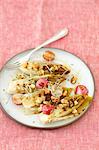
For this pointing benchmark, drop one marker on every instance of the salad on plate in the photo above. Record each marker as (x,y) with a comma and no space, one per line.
(40,88)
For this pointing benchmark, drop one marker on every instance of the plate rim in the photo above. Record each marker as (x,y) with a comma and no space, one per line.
(12,118)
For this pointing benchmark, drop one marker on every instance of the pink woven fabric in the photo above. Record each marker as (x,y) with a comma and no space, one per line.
(23,25)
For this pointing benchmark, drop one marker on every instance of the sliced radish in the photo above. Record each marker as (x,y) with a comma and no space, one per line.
(81,89)
(42,83)
(47,109)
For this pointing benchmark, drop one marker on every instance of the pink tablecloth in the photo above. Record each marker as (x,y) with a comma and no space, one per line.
(23,25)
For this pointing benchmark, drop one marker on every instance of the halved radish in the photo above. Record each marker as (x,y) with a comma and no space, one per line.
(42,83)
(81,89)
(47,109)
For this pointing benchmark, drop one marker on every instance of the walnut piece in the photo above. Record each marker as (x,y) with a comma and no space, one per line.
(73,80)
(49,56)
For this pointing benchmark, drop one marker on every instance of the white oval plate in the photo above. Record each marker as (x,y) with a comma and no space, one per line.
(63,57)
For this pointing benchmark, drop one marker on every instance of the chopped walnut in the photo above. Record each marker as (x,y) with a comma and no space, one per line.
(32,86)
(71,103)
(65,93)
(29,65)
(20,76)
(60,105)
(54,99)
(75,102)
(48,97)
(35,66)
(17,99)
(73,80)
(61,70)
(47,91)
(25,64)
(74,111)
(39,100)
(49,56)
(65,102)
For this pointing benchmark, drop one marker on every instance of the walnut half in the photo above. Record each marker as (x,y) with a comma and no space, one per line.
(48,55)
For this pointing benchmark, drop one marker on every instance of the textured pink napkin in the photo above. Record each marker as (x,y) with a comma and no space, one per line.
(23,25)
